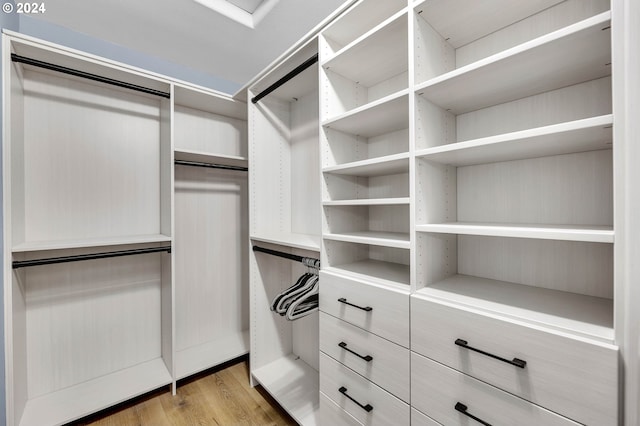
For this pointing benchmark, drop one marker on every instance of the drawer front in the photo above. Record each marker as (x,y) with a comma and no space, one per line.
(368,403)
(380,310)
(419,419)
(377,359)
(437,390)
(332,414)
(573,377)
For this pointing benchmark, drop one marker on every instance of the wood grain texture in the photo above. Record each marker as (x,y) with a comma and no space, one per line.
(220,397)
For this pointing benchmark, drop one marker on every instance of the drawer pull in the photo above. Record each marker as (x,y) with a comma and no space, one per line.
(367,358)
(517,362)
(366,408)
(366,308)
(463,409)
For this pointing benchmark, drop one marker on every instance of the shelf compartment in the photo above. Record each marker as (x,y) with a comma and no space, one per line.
(379,117)
(201,357)
(384,265)
(575,54)
(588,134)
(579,314)
(77,401)
(388,165)
(600,234)
(339,187)
(359,20)
(294,385)
(375,57)
(472,269)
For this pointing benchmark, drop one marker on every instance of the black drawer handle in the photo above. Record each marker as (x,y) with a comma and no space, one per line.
(517,362)
(463,409)
(366,408)
(366,308)
(367,358)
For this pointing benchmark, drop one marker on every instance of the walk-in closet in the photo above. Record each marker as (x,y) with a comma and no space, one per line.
(421,213)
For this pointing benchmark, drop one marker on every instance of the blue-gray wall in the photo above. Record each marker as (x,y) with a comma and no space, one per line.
(60,35)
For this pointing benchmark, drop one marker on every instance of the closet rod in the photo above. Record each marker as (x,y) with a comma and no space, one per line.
(210,165)
(83,74)
(281,254)
(297,70)
(51,260)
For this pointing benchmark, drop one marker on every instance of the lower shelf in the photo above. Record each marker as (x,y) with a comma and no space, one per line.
(384,272)
(89,397)
(198,358)
(577,314)
(294,385)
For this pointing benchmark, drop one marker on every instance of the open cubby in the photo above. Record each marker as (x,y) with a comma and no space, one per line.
(338,186)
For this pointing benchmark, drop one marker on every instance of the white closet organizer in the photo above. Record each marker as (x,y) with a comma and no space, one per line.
(285,216)
(87,170)
(91,238)
(211,230)
(514,204)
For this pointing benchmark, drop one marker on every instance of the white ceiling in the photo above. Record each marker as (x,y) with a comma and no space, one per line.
(187,32)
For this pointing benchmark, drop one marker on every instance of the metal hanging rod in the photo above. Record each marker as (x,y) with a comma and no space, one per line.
(297,70)
(51,260)
(284,255)
(83,74)
(210,165)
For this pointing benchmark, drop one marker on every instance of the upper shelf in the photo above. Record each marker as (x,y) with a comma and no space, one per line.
(204,157)
(381,166)
(462,21)
(374,57)
(588,134)
(571,55)
(383,116)
(34,246)
(300,241)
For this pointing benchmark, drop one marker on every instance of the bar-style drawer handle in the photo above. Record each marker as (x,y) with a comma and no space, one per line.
(463,409)
(366,308)
(367,358)
(517,362)
(366,408)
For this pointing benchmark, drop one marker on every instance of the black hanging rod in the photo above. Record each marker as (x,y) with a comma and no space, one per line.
(83,74)
(282,254)
(51,260)
(210,165)
(297,70)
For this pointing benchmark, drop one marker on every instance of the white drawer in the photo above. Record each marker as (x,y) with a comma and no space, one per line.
(419,419)
(381,310)
(574,377)
(377,359)
(332,414)
(437,390)
(368,403)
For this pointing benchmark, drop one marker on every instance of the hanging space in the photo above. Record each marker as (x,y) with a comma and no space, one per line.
(88,256)
(285,218)
(211,230)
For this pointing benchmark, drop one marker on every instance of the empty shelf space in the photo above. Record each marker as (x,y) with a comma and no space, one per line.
(369,202)
(574,54)
(595,234)
(388,165)
(388,273)
(379,117)
(361,19)
(198,358)
(34,246)
(294,385)
(375,56)
(77,401)
(301,241)
(206,157)
(376,238)
(575,136)
(575,313)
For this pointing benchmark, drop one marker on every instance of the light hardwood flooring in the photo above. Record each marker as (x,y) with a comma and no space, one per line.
(220,397)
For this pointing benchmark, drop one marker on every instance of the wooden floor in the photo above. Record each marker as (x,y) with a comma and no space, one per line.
(221,397)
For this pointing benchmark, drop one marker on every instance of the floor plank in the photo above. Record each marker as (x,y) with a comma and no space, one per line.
(217,397)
